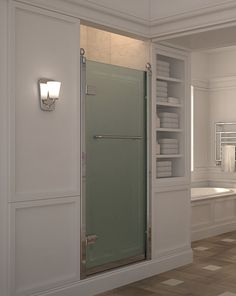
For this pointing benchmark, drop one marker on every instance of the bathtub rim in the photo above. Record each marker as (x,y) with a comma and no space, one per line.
(211,196)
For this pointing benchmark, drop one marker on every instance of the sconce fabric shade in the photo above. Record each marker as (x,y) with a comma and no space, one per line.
(43,91)
(53,89)
(49,93)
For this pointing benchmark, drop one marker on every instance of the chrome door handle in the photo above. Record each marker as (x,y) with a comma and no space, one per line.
(114,137)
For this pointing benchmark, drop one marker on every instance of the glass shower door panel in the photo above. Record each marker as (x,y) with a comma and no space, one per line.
(115,178)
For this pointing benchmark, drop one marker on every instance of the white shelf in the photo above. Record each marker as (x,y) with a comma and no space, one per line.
(175,130)
(168,104)
(169,155)
(170,79)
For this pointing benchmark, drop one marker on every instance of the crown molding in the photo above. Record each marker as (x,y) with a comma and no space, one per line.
(207,18)
(202,19)
(95,14)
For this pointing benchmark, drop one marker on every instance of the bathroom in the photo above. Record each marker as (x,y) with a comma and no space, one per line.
(43,228)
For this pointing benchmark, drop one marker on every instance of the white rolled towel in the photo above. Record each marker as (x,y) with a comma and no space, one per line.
(228,158)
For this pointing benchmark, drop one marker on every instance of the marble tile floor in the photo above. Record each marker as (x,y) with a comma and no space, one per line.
(212,273)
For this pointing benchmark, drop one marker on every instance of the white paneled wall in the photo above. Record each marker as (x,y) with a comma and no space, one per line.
(45,152)
(214,78)
(200,77)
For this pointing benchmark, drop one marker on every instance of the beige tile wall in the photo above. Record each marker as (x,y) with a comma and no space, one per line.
(110,48)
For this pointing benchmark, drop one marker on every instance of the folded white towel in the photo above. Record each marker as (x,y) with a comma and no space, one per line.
(169,125)
(161,83)
(169,146)
(161,88)
(163,74)
(162,95)
(169,151)
(158,122)
(164,174)
(162,63)
(164,163)
(169,120)
(163,67)
(173,100)
(164,169)
(168,141)
(168,115)
(158,149)
(161,99)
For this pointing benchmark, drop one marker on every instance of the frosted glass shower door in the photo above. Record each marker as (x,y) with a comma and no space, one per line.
(115,133)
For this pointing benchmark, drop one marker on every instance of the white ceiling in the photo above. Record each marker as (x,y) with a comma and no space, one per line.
(167,8)
(207,40)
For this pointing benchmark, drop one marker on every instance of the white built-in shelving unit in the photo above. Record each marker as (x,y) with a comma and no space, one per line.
(170,95)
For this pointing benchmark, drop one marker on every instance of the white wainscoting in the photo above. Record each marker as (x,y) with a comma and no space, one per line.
(213,216)
(45,146)
(44,244)
(171,221)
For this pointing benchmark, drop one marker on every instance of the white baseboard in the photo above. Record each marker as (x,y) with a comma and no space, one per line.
(213,230)
(123,276)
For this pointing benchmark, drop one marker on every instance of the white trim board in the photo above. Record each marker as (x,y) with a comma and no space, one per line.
(123,276)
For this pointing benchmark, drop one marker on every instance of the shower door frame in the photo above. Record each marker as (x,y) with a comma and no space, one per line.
(83,240)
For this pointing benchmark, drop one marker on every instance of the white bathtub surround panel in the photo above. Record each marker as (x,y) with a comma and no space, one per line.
(213,215)
(228,158)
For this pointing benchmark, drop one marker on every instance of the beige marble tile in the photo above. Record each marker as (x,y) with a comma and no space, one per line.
(98,45)
(128,52)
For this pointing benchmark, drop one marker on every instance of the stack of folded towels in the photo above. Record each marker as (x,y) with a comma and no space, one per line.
(164,169)
(162,93)
(163,69)
(169,146)
(169,119)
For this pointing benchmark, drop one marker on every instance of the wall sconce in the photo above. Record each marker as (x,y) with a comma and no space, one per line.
(48,93)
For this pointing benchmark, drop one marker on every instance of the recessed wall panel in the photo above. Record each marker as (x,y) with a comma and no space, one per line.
(45,154)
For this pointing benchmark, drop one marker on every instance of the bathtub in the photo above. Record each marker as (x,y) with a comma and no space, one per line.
(213,211)
(209,192)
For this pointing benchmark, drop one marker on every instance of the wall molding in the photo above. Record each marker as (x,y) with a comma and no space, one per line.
(222,83)
(54,282)
(200,84)
(28,195)
(124,276)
